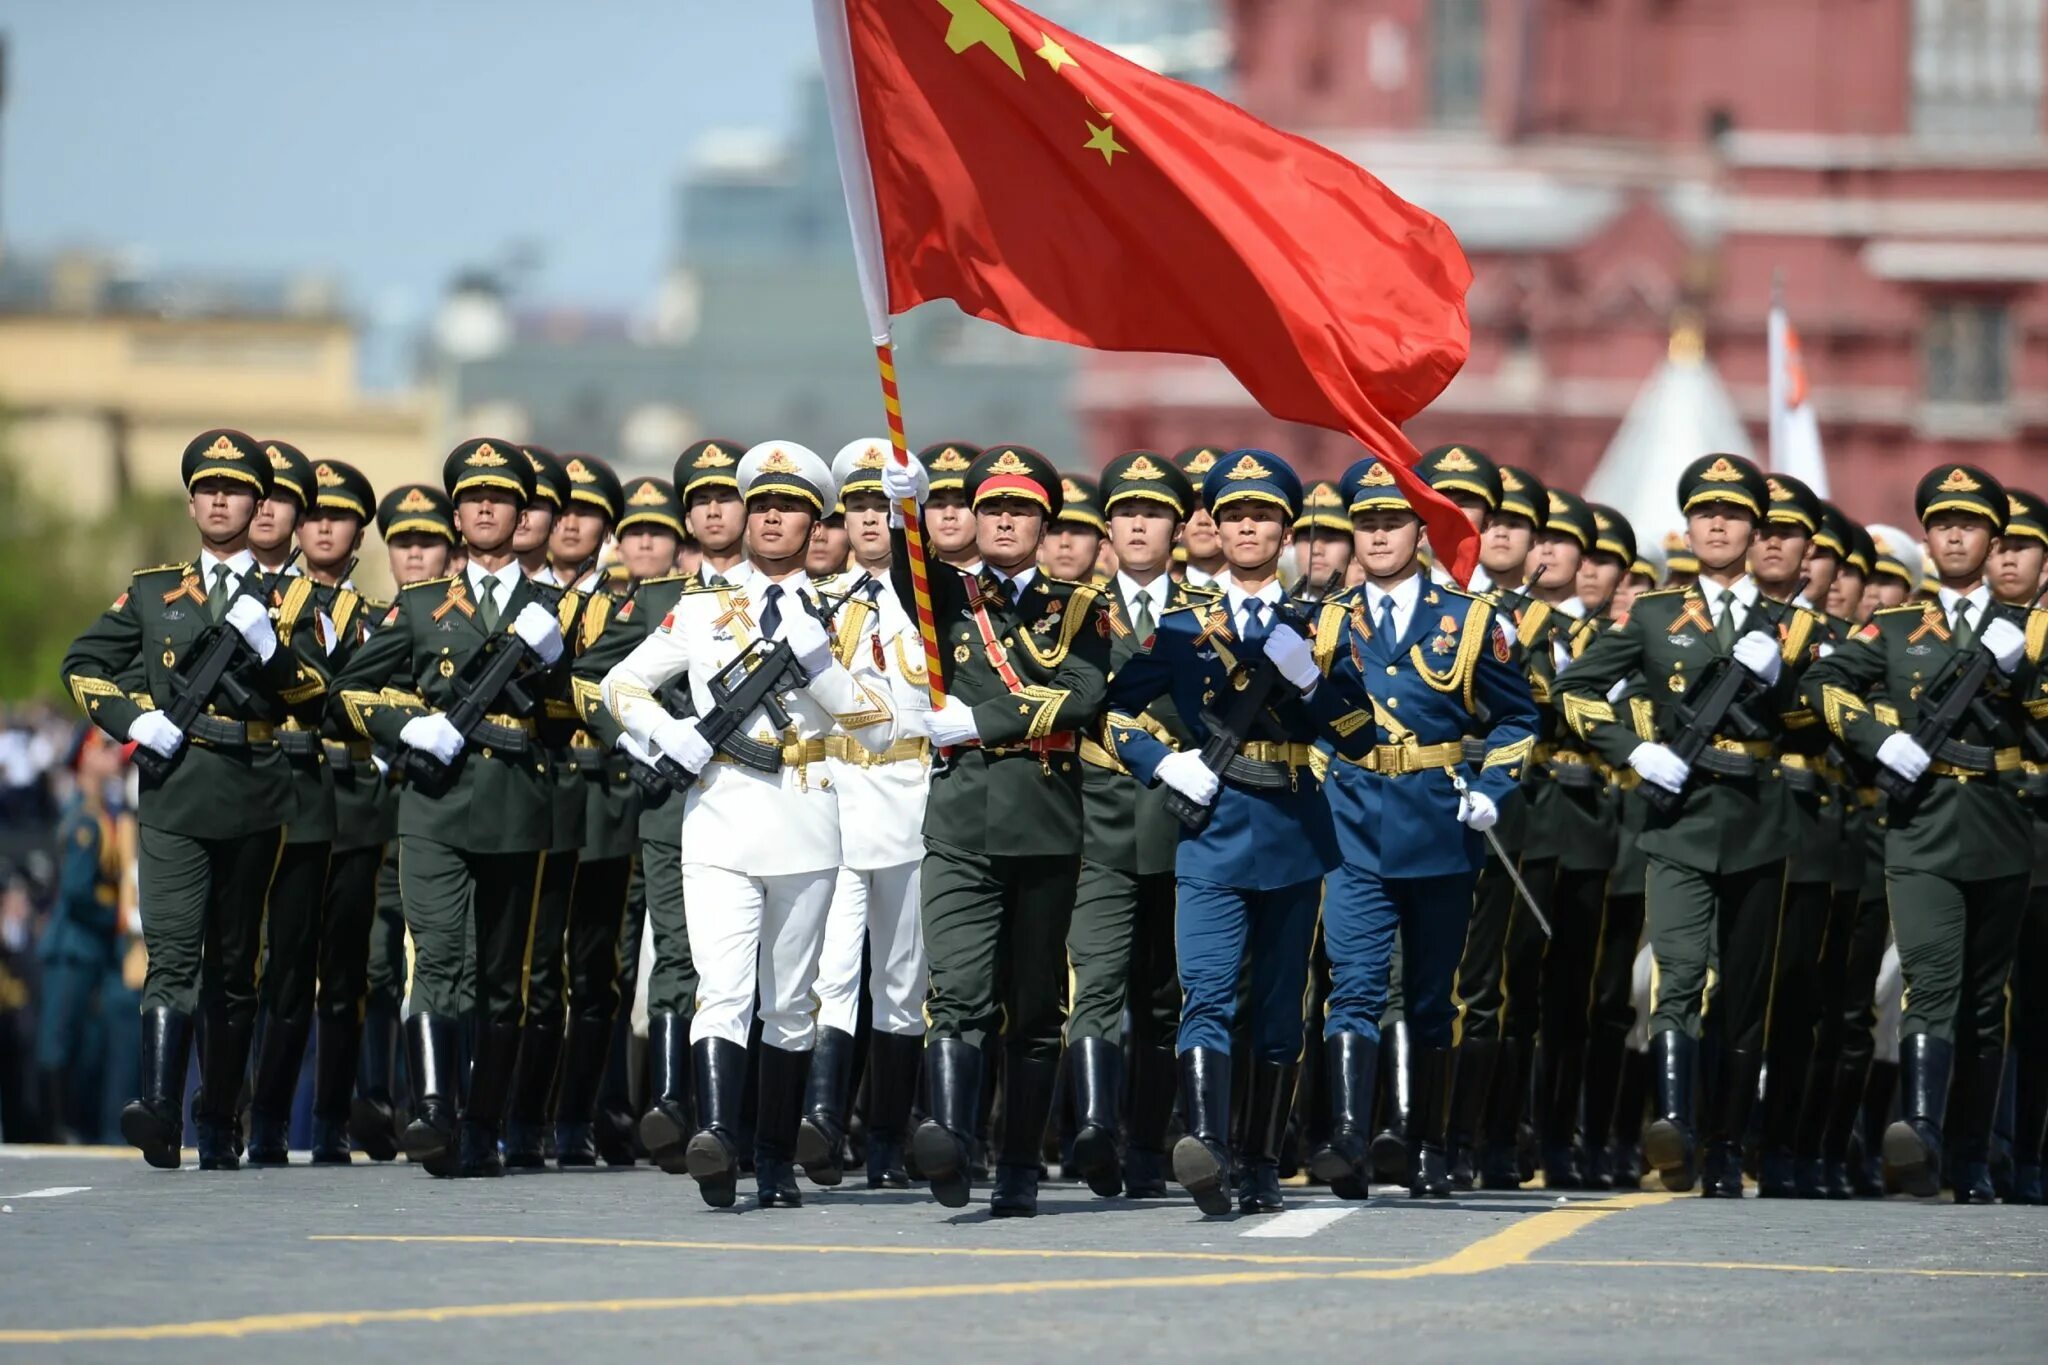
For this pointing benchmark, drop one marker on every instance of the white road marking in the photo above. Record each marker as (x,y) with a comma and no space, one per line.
(52,1192)
(1297,1223)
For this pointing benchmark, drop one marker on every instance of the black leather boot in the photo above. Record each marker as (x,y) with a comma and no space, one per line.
(1912,1146)
(944,1143)
(217,1109)
(494,1063)
(711,1155)
(613,1126)
(1154,1083)
(1784,1105)
(1559,1092)
(335,1039)
(1030,1082)
(278,1055)
(372,1119)
(1390,1144)
(533,1085)
(585,1053)
(1606,1049)
(1428,1120)
(1867,1176)
(1270,1102)
(432,1048)
(894,1060)
(1668,1143)
(1343,1160)
(821,1136)
(778,1115)
(1201,1160)
(666,1127)
(1732,1096)
(1472,1082)
(1500,1166)
(1096,1066)
(1838,1127)
(1629,1107)
(154,1121)
(1971,1112)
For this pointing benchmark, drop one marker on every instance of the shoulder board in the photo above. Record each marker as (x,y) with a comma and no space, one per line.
(664,578)
(297,597)
(1661,592)
(594,618)
(346,603)
(1330,620)
(1200,590)
(426,583)
(1202,606)
(1453,590)
(183,568)
(2037,633)
(377,606)
(1903,609)
(698,589)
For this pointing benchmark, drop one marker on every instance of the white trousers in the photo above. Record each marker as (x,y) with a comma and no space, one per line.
(755,934)
(878,907)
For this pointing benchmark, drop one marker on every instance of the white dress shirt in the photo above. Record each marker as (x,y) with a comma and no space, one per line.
(1979,599)
(1240,619)
(507,579)
(1746,596)
(1156,592)
(238,564)
(1405,595)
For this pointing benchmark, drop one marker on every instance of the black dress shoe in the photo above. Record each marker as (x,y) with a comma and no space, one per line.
(1260,1192)
(1972,1183)
(1016,1192)
(1561,1169)
(373,1127)
(268,1144)
(219,1142)
(1464,1170)
(1432,1180)
(2027,1185)
(330,1144)
(710,1159)
(775,1179)
(575,1145)
(1810,1177)
(1721,1172)
(1144,1174)
(523,1146)
(886,1170)
(1779,1177)
(476,1151)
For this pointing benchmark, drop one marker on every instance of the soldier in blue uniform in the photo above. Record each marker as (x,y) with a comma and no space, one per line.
(1250,880)
(1438,672)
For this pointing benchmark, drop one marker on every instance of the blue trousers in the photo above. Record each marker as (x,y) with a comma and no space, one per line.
(1361,911)
(1215,927)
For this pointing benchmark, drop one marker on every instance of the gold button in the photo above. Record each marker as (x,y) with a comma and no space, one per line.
(1009,641)
(1392,671)
(487,753)
(1393,703)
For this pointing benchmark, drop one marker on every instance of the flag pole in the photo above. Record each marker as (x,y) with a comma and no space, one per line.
(913,527)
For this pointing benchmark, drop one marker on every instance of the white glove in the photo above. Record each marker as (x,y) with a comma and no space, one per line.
(678,738)
(1660,767)
(1615,692)
(631,748)
(1185,772)
(252,623)
(383,768)
(953,724)
(1904,756)
(1477,812)
(1758,653)
(1291,655)
(900,481)
(807,640)
(433,735)
(536,625)
(2007,643)
(153,731)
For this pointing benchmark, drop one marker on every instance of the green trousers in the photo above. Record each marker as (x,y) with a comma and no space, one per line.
(672,981)
(1957,941)
(1728,920)
(455,899)
(203,919)
(995,934)
(385,972)
(1120,951)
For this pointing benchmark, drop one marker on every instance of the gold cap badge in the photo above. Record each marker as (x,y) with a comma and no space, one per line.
(579,472)
(487,456)
(1456,461)
(778,462)
(1248,467)
(1009,462)
(1509,482)
(1959,481)
(711,457)
(327,475)
(1379,476)
(1722,470)
(416,501)
(222,449)
(950,461)
(1144,468)
(647,495)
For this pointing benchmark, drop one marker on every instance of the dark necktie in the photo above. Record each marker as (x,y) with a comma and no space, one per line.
(1142,620)
(217,605)
(1389,635)
(1965,633)
(1724,629)
(488,603)
(771,612)
(1255,627)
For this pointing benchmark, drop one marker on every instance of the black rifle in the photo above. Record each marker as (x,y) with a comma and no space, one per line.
(1961,698)
(1718,696)
(192,690)
(753,681)
(1228,734)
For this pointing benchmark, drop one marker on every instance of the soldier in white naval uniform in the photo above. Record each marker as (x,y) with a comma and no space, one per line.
(875,903)
(760,850)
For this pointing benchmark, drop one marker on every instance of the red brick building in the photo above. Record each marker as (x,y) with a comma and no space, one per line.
(1617,166)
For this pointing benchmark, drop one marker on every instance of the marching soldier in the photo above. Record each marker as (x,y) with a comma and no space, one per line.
(948,515)
(537,518)
(1410,824)
(210,814)
(1120,940)
(1025,661)
(760,829)
(416,522)
(1250,880)
(707,480)
(654,515)
(827,555)
(876,897)
(1322,535)
(1073,543)
(473,832)
(1201,547)
(1717,851)
(1958,846)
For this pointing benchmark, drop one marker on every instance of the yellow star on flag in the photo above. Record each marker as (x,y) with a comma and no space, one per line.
(1105,142)
(973,25)
(1055,55)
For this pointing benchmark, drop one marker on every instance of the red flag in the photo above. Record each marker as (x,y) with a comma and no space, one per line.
(1039,181)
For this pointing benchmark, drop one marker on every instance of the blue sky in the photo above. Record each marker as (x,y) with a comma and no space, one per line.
(386,143)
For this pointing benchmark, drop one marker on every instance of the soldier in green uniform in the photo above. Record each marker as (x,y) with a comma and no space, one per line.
(1958,849)
(1717,855)
(654,513)
(470,843)
(1201,546)
(210,827)
(1026,662)
(948,515)
(1073,544)
(1321,536)
(2018,575)
(417,525)
(1120,941)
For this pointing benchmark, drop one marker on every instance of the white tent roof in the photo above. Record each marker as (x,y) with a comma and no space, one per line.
(1682,412)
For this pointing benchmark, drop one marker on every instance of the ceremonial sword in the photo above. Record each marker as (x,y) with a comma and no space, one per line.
(1458,781)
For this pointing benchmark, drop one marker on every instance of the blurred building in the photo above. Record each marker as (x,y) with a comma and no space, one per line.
(106,373)
(1614,167)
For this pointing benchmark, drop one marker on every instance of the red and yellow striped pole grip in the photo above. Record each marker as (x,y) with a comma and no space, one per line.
(913,530)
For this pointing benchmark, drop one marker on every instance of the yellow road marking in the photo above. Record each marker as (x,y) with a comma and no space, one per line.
(1930,1272)
(1023,1253)
(41,1150)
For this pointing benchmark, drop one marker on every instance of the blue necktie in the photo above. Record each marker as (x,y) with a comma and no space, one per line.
(1388,637)
(771,613)
(1255,628)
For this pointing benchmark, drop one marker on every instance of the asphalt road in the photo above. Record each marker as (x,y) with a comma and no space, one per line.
(103,1259)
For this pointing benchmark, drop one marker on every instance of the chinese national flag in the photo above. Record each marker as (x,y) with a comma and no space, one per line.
(1046,184)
